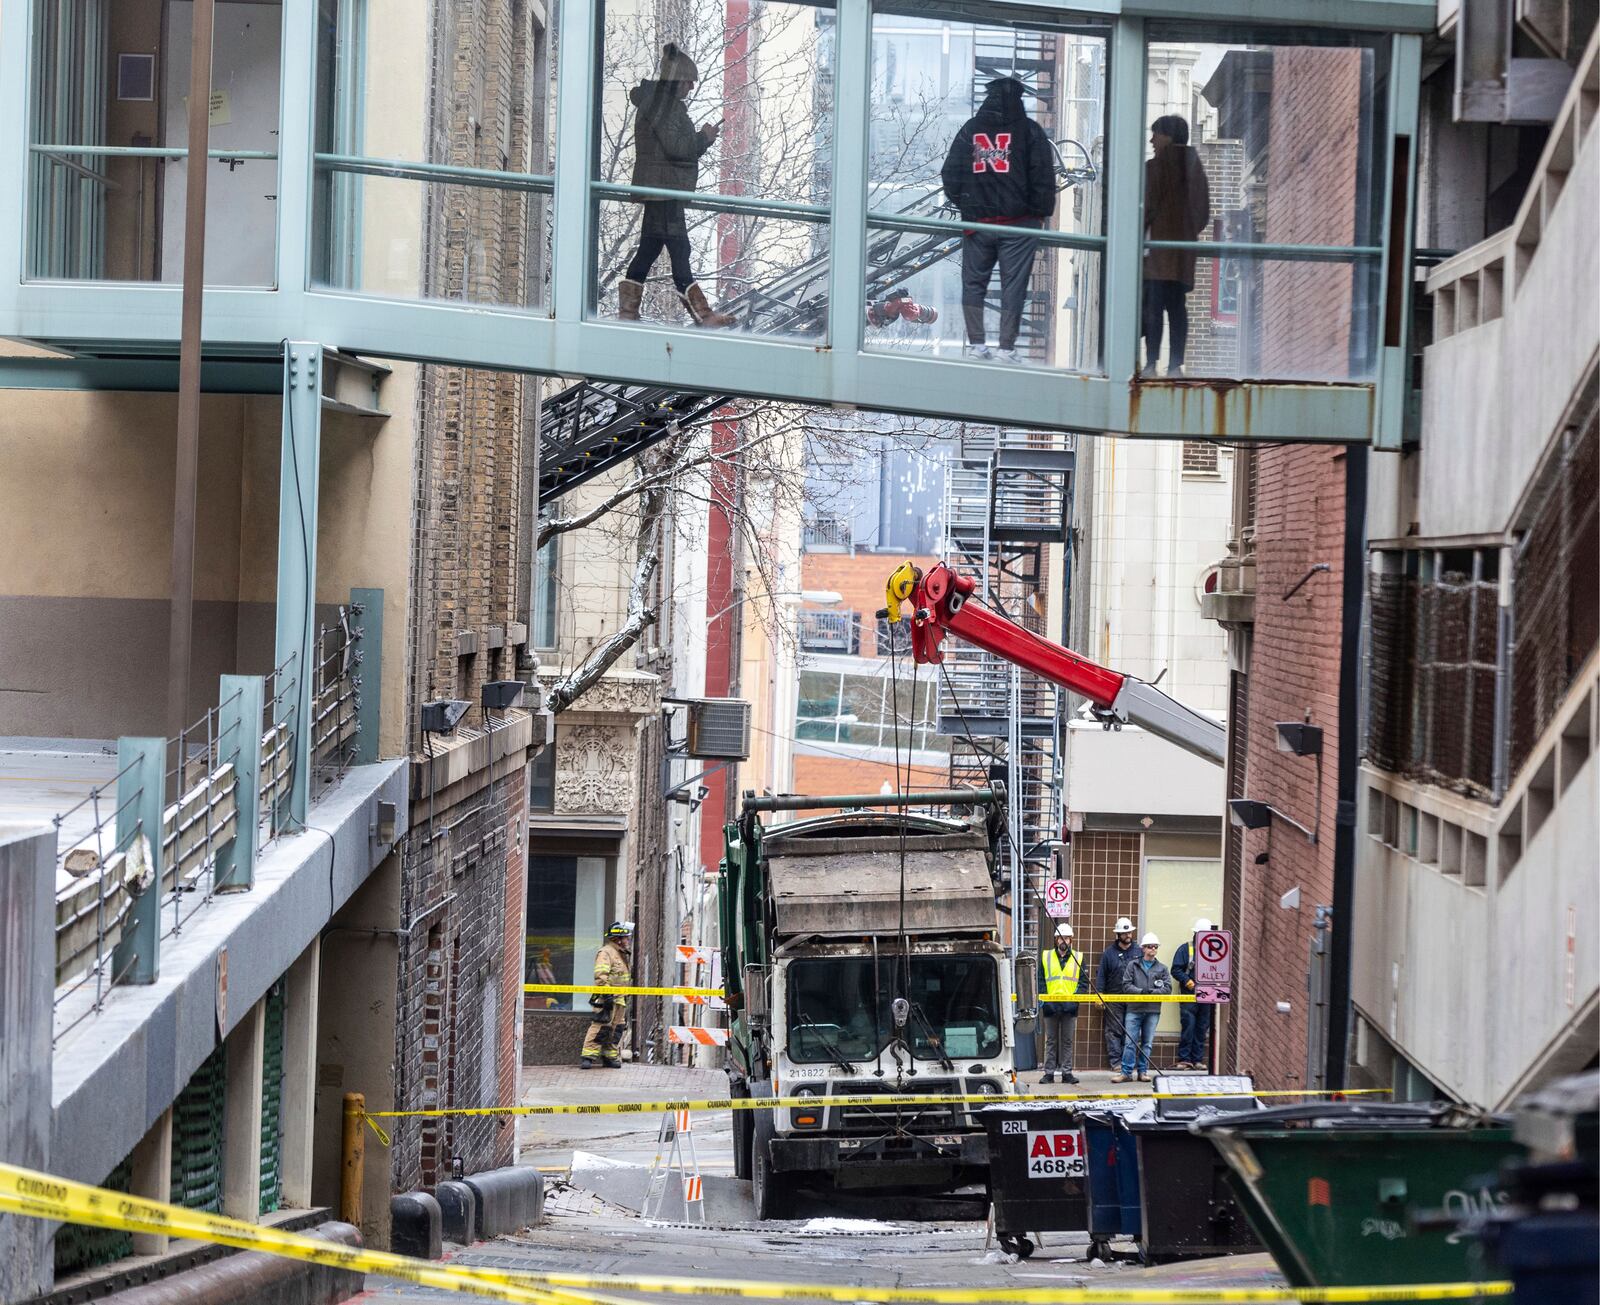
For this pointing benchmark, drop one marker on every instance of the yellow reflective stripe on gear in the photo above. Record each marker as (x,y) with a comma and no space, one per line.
(621,990)
(43,1196)
(1056,972)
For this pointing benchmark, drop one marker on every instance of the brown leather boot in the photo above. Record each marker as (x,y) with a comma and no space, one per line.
(629,293)
(694,299)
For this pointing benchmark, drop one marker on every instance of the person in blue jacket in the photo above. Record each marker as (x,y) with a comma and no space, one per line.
(1108,980)
(1145,976)
(1194,1036)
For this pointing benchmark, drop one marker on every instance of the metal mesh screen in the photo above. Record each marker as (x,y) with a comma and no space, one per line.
(1557,594)
(272,1101)
(1432,669)
(79,1247)
(197,1136)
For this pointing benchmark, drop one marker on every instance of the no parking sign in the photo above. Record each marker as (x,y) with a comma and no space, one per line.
(1213,966)
(1058,899)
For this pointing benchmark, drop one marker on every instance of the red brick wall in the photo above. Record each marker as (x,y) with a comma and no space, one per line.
(1294,669)
(1313,174)
(858,579)
(816,775)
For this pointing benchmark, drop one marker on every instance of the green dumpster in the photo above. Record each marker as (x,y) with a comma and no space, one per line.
(1331,1188)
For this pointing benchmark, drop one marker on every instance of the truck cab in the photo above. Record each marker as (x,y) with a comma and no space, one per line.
(862,957)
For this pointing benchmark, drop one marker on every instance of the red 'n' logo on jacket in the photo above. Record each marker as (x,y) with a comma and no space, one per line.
(987,153)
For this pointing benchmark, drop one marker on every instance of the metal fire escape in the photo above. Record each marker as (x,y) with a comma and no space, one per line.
(1008,497)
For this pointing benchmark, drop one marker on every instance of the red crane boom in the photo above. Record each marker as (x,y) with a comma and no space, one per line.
(941,601)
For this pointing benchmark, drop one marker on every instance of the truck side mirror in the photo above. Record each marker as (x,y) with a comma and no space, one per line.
(755,994)
(1026,969)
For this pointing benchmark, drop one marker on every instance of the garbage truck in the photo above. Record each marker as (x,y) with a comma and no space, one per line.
(862,956)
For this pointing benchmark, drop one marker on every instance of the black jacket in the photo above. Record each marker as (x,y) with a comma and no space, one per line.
(667,145)
(1112,961)
(1155,980)
(1182,966)
(1001,167)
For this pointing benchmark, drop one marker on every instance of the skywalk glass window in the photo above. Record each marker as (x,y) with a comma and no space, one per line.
(433,151)
(1263,202)
(108,155)
(982,134)
(712,166)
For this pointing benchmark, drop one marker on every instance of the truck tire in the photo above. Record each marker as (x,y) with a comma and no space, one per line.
(773,1200)
(743,1123)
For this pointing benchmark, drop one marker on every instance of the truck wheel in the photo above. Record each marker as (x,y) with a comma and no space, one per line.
(742,1128)
(768,1186)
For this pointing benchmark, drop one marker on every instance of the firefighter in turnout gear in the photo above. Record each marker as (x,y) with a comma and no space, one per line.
(603,1043)
(1062,968)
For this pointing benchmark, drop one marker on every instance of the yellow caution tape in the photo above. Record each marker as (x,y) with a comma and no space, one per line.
(43,1196)
(863,1099)
(1091,998)
(624,991)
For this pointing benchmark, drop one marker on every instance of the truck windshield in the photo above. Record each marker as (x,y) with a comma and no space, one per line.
(831,1007)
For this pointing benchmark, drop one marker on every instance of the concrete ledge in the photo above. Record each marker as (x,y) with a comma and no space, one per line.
(458,1207)
(226,1277)
(416,1226)
(146,1041)
(509,1200)
(454,760)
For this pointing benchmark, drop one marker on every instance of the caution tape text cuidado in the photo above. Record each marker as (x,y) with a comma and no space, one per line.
(635,990)
(43,1196)
(817,1102)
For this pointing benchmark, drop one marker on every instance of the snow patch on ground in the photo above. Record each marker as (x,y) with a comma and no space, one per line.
(819,1226)
(589,1160)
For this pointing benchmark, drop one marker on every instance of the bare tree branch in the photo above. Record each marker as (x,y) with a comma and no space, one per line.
(604,655)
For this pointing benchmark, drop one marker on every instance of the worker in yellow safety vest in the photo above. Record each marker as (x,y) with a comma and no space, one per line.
(1062,968)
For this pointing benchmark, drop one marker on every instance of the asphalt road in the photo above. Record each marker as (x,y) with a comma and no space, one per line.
(587,1233)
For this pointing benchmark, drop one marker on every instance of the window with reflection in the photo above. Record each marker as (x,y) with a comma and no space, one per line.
(108,151)
(712,166)
(986,227)
(433,151)
(1263,194)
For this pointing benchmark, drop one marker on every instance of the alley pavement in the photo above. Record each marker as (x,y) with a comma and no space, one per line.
(587,1231)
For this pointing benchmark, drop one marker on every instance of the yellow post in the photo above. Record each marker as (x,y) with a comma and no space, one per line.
(355,1144)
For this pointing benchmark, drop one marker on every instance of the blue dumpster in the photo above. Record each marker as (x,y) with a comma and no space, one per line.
(1113,1181)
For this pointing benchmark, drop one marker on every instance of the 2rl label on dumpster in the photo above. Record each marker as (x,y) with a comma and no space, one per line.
(1055,1153)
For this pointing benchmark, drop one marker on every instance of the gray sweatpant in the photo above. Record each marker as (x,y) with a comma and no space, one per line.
(1059,1030)
(980,251)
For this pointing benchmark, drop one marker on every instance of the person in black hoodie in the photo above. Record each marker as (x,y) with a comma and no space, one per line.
(667,150)
(1000,171)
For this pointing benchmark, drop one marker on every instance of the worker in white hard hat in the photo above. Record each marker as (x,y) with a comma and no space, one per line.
(1109,981)
(1062,968)
(1194,1019)
(1145,975)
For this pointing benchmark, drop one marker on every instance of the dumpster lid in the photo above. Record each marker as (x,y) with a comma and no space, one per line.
(1359,1115)
(1188,1096)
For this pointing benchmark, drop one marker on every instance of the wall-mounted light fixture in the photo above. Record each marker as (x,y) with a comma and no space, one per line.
(1300,738)
(1248,813)
(443,715)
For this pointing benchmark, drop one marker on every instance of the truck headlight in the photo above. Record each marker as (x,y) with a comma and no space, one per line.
(805,1116)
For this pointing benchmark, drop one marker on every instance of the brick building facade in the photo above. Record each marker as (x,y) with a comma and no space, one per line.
(1288,531)
(463,862)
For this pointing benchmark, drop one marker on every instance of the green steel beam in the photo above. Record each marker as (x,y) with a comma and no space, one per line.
(239,745)
(572,275)
(297,562)
(141,800)
(126,374)
(1124,207)
(852,82)
(1393,382)
(369,689)
(296,132)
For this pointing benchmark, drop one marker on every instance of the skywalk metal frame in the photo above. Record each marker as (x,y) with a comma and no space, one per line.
(562,338)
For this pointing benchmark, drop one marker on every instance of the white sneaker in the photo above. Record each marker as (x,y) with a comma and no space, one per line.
(977,351)
(1008,356)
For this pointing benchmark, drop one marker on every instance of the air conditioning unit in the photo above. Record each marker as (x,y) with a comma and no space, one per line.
(719,729)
